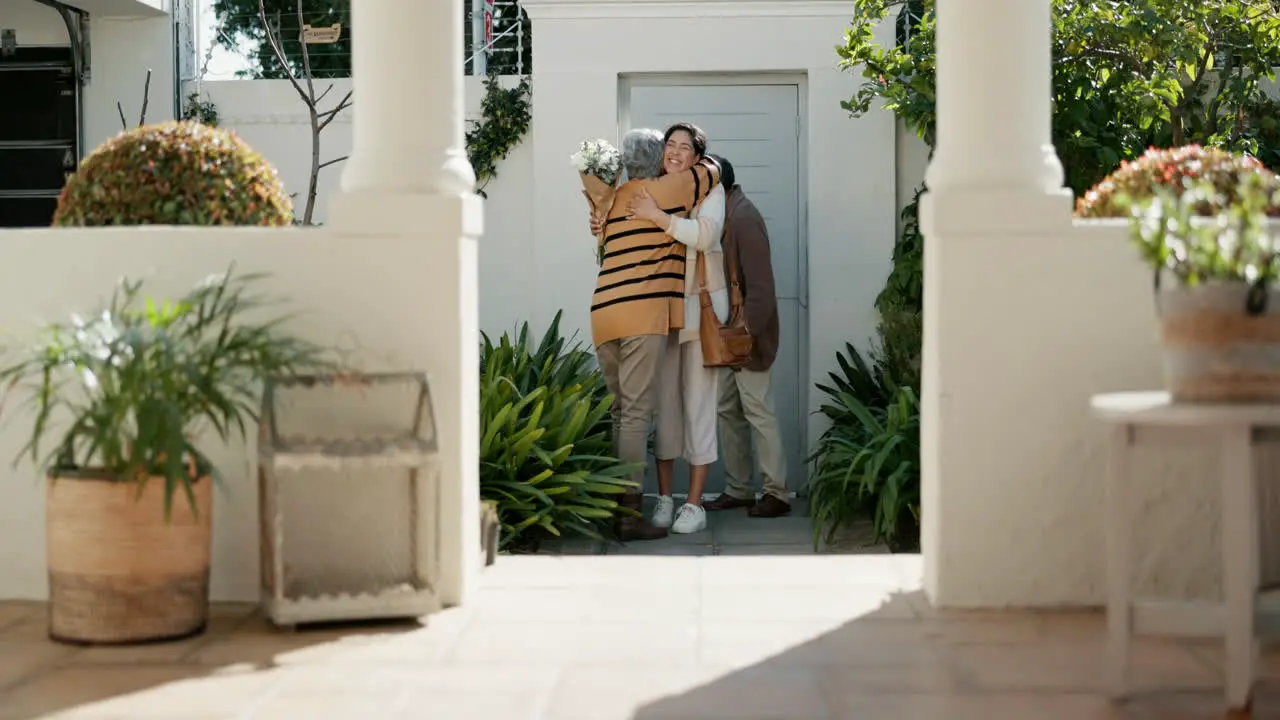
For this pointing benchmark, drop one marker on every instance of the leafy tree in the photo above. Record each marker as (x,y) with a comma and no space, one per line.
(240,29)
(1126,75)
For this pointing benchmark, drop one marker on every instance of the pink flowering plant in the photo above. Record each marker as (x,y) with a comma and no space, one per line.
(1175,170)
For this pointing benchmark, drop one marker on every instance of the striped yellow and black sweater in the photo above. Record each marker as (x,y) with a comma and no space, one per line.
(640,288)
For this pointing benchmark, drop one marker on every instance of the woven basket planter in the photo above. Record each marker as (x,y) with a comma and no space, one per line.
(1215,350)
(119,572)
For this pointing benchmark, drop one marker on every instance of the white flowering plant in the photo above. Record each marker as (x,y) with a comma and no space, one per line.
(1233,244)
(138,381)
(599,159)
(599,165)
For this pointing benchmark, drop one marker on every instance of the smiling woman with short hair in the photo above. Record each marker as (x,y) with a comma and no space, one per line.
(689,392)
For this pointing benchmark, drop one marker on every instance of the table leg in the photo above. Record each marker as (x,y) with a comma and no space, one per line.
(1119,547)
(1239,564)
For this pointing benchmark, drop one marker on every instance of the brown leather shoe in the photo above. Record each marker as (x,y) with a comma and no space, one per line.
(770,507)
(635,527)
(725,501)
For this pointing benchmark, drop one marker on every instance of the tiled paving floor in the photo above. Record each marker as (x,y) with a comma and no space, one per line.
(808,637)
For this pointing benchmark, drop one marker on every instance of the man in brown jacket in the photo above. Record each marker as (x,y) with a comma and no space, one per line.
(746,399)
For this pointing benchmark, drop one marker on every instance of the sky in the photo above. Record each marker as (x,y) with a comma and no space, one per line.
(223,64)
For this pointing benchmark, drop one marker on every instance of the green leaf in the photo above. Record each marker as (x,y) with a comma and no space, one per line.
(139,378)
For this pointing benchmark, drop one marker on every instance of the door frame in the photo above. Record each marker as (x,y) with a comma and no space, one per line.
(800,79)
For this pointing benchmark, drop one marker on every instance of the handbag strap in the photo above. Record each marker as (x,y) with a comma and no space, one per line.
(732,258)
(702,271)
(735,288)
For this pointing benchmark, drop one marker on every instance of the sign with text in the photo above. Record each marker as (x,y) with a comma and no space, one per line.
(488,23)
(321,35)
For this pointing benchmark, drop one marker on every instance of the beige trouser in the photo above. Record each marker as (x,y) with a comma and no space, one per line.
(686,405)
(746,410)
(632,367)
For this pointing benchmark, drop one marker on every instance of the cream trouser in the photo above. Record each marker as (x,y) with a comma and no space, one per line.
(631,366)
(686,404)
(746,410)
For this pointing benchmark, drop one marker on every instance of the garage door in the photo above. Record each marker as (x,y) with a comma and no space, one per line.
(38,133)
(756,127)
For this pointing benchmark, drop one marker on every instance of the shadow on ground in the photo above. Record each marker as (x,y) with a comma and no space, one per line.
(906,661)
(767,637)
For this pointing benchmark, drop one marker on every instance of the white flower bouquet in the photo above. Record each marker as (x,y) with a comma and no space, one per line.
(599,165)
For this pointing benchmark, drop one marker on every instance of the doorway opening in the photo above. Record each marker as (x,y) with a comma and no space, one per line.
(40,122)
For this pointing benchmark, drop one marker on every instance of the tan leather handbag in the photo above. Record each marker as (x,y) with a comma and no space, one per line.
(728,345)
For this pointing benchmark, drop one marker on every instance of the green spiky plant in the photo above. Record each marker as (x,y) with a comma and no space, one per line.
(868,460)
(136,383)
(546,438)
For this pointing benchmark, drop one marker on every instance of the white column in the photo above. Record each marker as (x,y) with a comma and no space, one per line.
(995,214)
(994,89)
(408,201)
(408,114)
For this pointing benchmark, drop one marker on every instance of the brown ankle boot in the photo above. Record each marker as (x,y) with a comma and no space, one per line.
(635,527)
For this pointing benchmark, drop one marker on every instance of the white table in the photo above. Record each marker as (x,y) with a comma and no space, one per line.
(1151,417)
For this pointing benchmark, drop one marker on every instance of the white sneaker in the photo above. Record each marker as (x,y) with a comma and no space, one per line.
(690,519)
(663,511)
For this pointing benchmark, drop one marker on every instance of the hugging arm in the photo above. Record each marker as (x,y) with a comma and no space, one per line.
(667,202)
(703,232)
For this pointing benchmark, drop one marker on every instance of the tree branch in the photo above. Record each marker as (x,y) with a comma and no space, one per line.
(334,161)
(146,99)
(1130,62)
(313,117)
(274,43)
(306,59)
(330,115)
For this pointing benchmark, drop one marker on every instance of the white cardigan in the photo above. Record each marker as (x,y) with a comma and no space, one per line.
(701,232)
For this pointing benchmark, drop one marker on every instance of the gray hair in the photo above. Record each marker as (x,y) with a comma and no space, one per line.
(642,153)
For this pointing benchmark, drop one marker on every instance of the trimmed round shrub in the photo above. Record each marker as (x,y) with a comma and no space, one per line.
(1170,168)
(174,173)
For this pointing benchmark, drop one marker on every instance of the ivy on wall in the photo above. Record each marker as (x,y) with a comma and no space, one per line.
(504,119)
(200,110)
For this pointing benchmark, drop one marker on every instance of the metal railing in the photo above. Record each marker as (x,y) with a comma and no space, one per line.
(508,50)
(909,19)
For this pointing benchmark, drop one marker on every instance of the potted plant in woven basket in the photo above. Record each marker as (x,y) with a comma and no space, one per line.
(128,391)
(1215,266)
(118,402)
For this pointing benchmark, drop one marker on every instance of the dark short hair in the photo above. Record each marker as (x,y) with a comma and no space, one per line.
(727,178)
(699,138)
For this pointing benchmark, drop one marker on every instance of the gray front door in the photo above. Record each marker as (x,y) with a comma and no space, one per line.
(757,128)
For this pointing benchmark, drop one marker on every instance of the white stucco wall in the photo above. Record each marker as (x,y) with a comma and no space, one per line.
(35,24)
(386,286)
(271,117)
(912,161)
(579,74)
(1019,495)
(123,50)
